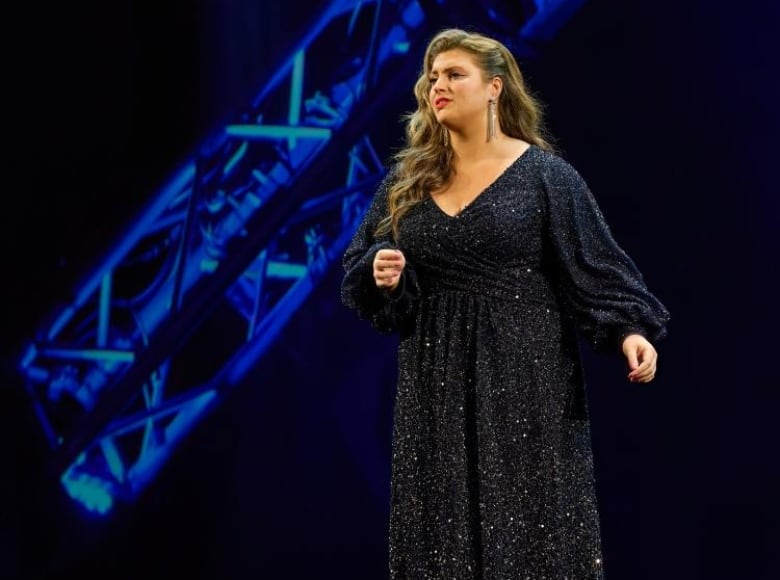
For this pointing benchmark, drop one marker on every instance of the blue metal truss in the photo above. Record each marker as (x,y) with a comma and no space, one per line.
(242,231)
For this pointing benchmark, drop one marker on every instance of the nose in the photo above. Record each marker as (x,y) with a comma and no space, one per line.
(438,84)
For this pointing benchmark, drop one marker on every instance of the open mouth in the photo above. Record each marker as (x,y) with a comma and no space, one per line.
(440,102)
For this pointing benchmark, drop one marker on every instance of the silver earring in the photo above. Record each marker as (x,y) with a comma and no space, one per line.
(446,137)
(491,124)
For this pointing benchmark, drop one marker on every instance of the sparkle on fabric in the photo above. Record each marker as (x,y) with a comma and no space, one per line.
(492,473)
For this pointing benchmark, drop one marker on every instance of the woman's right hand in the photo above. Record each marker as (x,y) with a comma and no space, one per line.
(388,265)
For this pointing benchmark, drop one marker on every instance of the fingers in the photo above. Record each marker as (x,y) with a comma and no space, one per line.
(632,359)
(641,357)
(645,372)
(388,265)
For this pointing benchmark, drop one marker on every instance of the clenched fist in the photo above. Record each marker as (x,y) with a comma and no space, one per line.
(388,265)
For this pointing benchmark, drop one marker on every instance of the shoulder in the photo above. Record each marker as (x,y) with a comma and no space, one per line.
(553,169)
(384,181)
(391,175)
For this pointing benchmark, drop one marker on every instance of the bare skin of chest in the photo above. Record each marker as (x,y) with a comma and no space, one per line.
(467,185)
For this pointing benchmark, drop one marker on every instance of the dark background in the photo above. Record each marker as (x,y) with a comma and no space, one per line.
(670,112)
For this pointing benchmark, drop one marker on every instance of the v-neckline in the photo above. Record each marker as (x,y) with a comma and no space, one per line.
(487,188)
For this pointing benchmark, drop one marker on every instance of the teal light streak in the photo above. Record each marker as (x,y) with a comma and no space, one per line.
(233,161)
(123,356)
(284,270)
(296,90)
(113,459)
(104,312)
(273,132)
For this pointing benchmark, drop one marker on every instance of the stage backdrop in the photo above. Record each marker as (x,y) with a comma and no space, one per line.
(668,110)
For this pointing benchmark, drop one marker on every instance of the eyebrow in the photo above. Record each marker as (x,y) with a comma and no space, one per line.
(447,69)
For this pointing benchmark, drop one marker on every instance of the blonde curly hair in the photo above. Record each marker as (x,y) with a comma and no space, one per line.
(425,163)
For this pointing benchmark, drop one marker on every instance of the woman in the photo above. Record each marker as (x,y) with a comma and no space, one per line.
(487,252)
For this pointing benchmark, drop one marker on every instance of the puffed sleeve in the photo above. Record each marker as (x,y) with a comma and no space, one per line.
(599,285)
(387,312)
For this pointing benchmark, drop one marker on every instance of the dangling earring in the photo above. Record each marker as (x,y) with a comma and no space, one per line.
(491,124)
(446,137)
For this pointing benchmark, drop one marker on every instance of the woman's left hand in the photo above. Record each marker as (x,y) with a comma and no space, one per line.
(642,358)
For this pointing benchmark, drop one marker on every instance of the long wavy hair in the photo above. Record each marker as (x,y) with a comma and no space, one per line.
(425,163)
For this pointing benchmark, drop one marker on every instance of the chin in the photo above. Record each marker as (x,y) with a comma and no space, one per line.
(441,117)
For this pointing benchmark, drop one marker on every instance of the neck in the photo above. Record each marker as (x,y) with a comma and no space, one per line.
(469,148)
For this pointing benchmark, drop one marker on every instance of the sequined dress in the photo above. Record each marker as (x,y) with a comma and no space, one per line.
(492,475)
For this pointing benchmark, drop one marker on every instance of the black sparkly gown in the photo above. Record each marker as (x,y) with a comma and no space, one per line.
(492,473)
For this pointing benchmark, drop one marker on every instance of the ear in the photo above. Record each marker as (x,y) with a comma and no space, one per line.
(496,85)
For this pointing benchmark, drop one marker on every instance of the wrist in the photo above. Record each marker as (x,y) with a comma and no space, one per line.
(628,333)
(395,292)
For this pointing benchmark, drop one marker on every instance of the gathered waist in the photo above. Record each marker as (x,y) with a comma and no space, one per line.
(530,288)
